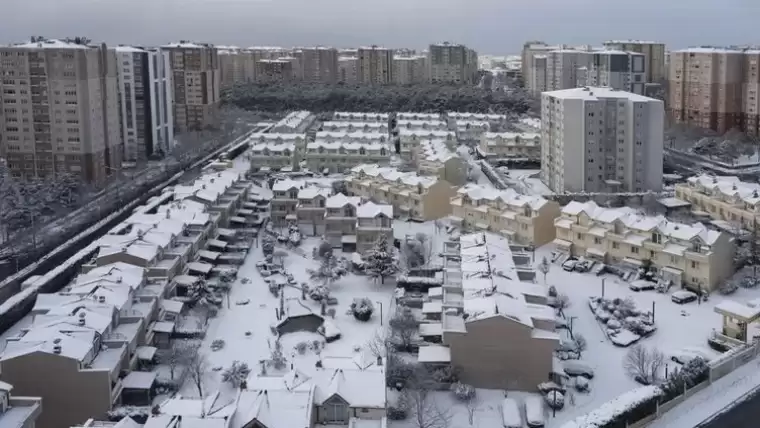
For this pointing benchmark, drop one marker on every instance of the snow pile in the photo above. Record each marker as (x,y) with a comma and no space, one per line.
(615,408)
(624,323)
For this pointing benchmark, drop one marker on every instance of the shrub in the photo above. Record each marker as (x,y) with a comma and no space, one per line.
(463,391)
(396,413)
(447,374)
(362,309)
(301,347)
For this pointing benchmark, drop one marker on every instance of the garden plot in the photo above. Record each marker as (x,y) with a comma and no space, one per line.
(624,324)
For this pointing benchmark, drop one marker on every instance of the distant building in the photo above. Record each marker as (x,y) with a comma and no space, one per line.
(375,65)
(348,69)
(235,65)
(317,64)
(452,63)
(409,70)
(274,70)
(654,56)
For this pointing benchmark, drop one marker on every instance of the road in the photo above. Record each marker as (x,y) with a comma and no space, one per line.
(745,415)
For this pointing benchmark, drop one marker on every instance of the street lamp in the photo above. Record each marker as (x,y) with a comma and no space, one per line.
(381,311)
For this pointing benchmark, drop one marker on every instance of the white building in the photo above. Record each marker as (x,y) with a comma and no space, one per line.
(601,140)
(562,67)
(145,102)
(296,122)
(409,139)
(530,50)
(436,158)
(422,124)
(353,116)
(409,70)
(417,116)
(350,136)
(452,63)
(340,156)
(615,69)
(503,145)
(269,156)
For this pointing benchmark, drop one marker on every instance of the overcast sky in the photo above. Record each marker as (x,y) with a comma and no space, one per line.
(490,26)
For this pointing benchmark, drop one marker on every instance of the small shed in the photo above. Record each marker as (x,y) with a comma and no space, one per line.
(138,388)
(298,317)
(736,318)
(434,354)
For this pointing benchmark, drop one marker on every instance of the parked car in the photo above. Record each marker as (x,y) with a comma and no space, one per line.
(683,356)
(583,265)
(511,417)
(534,411)
(577,368)
(569,264)
(641,285)
(683,296)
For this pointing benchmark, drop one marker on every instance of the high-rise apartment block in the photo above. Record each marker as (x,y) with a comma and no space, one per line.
(531,49)
(235,65)
(601,140)
(196,80)
(562,68)
(348,69)
(60,112)
(452,63)
(318,64)
(654,56)
(274,70)
(614,69)
(145,103)
(751,92)
(410,69)
(375,65)
(705,88)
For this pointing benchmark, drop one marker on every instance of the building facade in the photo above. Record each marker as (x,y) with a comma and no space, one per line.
(723,198)
(145,98)
(60,112)
(625,71)
(340,156)
(505,145)
(317,64)
(375,66)
(654,54)
(601,140)
(452,63)
(274,70)
(348,69)
(751,92)
(436,158)
(409,70)
(196,81)
(235,65)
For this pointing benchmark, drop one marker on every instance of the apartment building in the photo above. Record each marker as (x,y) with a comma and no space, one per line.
(297,122)
(145,99)
(437,159)
(723,198)
(348,69)
(340,156)
(351,136)
(538,74)
(60,112)
(351,116)
(273,156)
(563,66)
(621,70)
(347,126)
(317,64)
(412,196)
(680,254)
(274,71)
(524,219)
(506,145)
(452,63)
(468,311)
(601,140)
(410,70)
(196,80)
(18,412)
(654,54)
(235,65)
(375,65)
(705,88)
(409,139)
(751,92)
(529,66)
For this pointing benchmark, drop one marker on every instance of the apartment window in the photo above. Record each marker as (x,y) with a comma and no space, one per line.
(634,250)
(579,235)
(694,265)
(597,241)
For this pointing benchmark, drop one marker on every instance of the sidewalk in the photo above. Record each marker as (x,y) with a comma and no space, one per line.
(714,399)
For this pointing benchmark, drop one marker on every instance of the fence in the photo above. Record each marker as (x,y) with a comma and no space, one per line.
(732,360)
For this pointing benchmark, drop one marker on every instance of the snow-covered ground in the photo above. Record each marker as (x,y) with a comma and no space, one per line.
(678,327)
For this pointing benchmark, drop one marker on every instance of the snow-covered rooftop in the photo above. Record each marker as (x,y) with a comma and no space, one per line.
(351,135)
(425,133)
(294,119)
(436,150)
(393,175)
(597,93)
(340,200)
(417,116)
(275,148)
(509,196)
(372,210)
(637,222)
(475,116)
(312,192)
(129,49)
(184,45)
(372,145)
(278,136)
(342,124)
(51,44)
(729,186)
(345,115)
(512,136)
(421,123)
(277,408)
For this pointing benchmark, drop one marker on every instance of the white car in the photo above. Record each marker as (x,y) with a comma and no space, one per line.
(569,265)
(683,296)
(683,356)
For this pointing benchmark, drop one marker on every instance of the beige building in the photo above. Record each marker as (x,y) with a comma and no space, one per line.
(375,65)
(310,210)
(654,54)
(340,156)
(538,72)
(410,139)
(501,145)
(340,219)
(535,83)
(682,255)
(705,88)
(317,64)
(525,220)
(285,202)
(424,198)
(751,92)
(469,311)
(435,158)
(60,110)
(452,63)
(348,69)
(373,221)
(196,80)
(272,156)
(355,225)
(18,412)
(723,198)
(351,126)
(235,65)
(409,70)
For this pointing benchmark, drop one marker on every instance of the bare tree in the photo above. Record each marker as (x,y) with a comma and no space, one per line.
(644,364)
(580,344)
(179,354)
(471,405)
(377,344)
(404,327)
(561,302)
(424,411)
(198,370)
(544,267)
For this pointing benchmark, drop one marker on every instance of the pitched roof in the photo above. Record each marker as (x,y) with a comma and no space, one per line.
(372,210)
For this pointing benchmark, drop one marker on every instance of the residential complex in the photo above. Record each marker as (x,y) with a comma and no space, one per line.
(196,82)
(348,69)
(506,145)
(340,156)
(410,139)
(468,311)
(525,220)
(723,198)
(452,63)
(408,70)
(679,254)
(296,122)
(412,196)
(145,99)
(317,64)
(60,111)
(274,70)
(436,158)
(375,65)
(654,54)
(235,65)
(601,140)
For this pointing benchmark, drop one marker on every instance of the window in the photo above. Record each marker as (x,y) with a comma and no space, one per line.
(579,235)
(656,238)
(694,265)
(634,250)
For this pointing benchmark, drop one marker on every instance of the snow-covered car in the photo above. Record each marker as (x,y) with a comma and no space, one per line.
(511,417)
(641,285)
(683,356)
(581,384)
(583,265)
(577,368)
(261,264)
(265,272)
(534,411)
(683,296)
(569,264)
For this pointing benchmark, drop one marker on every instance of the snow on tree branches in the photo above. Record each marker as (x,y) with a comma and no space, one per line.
(379,261)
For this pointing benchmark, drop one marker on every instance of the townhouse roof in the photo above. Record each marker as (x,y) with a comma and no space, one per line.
(285,136)
(187,211)
(508,196)
(351,135)
(436,150)
(360,115)
(119,272)
(212,407)
(353,124)
(392,174)
(429,133)
(408,115)
(372,210)
(420,122)
(294,119)
(468,124)
(511,135)
(75,343)
(134,247)
(729,186)
(312,192)
(348,145)
(475,116)
(275,147)
(637,222)
(287,184)
(278,408)
(596,93)
(208,187)
(340,200)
